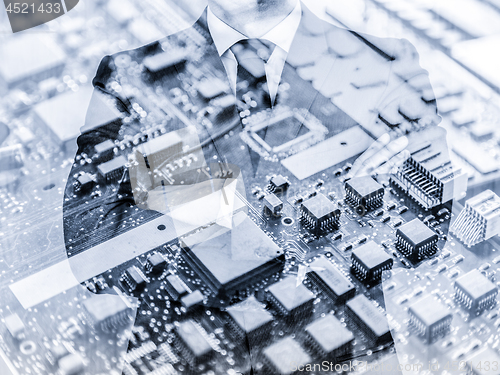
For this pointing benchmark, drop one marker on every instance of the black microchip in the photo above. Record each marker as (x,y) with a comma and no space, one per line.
(192,300)
(329,337)
(319,215)
(290,298)
(365,192)
(249,318)
(155,263)
(175,287)
(193,340)
(278,184)
(369,261)
(369,318)
(133,278)
(165,62)
(211,88)
(330,280)
(416,240)
(104,151)
(107,312)
(430,318)
(281,356)
(234,259)
(475,292)
(273,204)
(84,183)
(112,170)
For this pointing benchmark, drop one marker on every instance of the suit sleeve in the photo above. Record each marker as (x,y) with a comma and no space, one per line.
(79,224)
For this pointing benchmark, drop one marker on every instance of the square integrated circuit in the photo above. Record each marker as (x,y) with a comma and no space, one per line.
(319,215)
(365,192)
(290,298)
(330,280)
(329,337)
(430,318)
(416,240)
(366,315)
(250,318)
(281,355)
(475,292)
(369,261)
(234,259)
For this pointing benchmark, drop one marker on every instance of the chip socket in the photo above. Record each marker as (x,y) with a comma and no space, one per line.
(369,261)
(319,215)
(475,292)
(416,240)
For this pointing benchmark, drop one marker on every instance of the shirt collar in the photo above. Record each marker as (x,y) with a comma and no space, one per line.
(224,36)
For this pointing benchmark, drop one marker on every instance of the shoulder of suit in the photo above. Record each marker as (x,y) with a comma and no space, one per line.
(106,66)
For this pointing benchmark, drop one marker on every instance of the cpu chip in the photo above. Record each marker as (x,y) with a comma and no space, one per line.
(285,352)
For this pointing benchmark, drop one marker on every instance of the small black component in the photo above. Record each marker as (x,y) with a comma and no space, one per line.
(402,209)
(84,183)
(104,151)
(385,218)
(249,318)
(391,206)
(112,170)
(175,287)
(106,312)
(369,261)
(364,191)
(71,364)
(165,62)
(430,318)
(14,325)
(416,240)
(329,337)
(319,215)
(133,278)
(330,280)
(278,185)
(290,298)
(475,292)
(369,318)
(273,204)
(284,352)
(155,263)
(193,340)
(192,300)
(211,88)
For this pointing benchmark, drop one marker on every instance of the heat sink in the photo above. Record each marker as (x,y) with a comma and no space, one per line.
(428,176)
(479,220)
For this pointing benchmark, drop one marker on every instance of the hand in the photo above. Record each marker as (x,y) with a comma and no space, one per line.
(382,157)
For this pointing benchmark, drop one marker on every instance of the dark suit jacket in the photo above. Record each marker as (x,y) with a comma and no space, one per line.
(377,82)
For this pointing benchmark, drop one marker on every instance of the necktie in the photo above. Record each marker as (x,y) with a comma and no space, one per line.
(251,61)
(251,66)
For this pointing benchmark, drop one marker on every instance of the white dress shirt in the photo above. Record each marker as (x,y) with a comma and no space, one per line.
(281,35)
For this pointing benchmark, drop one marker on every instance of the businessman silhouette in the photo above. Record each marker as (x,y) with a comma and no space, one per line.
(274,55)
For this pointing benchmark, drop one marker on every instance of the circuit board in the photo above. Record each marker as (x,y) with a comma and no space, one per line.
(310,254)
